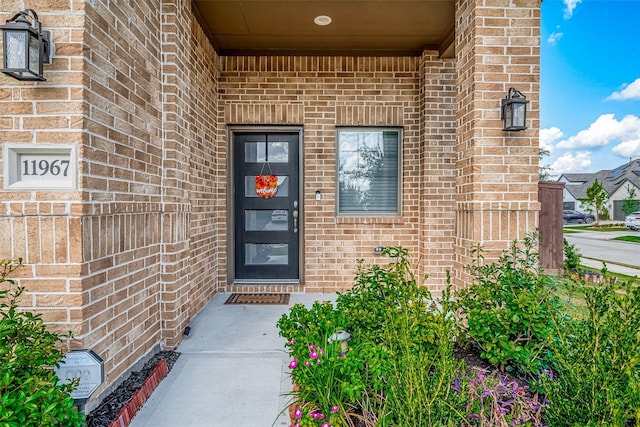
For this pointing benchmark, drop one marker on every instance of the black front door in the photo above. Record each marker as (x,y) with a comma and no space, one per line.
(267,229)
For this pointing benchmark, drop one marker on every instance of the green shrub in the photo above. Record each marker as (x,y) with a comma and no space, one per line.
(596,365)
(400,368)
(571,256)
(384,300)
(29,392)
(419,389)
(511,308)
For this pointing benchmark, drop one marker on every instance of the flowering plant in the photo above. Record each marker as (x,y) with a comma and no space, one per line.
(328,379)
(492,400)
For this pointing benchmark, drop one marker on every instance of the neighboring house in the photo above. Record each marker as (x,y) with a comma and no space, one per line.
(616,183)
(383,128)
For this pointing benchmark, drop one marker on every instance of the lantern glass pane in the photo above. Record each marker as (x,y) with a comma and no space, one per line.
(15,49)
(508,116)
(34,55)
(519,114)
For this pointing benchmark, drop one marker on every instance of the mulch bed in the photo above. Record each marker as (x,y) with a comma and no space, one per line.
(110,408)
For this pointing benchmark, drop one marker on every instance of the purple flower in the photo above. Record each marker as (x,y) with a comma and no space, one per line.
(297,413)
(342,355)
(293,364)
(455,385)
(473,416)
(335,409)
(313,354)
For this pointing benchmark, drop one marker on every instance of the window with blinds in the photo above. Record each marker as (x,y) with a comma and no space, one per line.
(368,171)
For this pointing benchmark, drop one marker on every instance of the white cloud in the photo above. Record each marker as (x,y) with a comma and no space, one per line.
(548,137)
(631,91)
(570,6)
(570,163)
(603,131)
(554,37)
(628,149)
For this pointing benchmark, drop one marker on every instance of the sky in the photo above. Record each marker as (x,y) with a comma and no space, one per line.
(589,84)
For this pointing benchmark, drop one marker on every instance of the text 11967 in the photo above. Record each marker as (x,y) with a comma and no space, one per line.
(45,167)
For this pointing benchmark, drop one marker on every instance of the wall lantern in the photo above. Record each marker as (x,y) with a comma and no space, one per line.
(25,47)
(513,111)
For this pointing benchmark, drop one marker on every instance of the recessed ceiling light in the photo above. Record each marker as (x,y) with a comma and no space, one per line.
(322,20)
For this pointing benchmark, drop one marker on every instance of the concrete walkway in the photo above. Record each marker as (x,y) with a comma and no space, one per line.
(232,371)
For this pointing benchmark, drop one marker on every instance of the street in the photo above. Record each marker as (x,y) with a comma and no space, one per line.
(598,245)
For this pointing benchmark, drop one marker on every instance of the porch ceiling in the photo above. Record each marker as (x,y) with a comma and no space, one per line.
(358,27)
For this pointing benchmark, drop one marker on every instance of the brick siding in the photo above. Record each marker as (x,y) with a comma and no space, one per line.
(127,259)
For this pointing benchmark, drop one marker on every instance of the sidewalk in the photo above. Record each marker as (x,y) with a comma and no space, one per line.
(232,371)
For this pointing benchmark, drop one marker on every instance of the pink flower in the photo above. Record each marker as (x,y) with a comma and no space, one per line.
(325,425)
(297,424)
(313,354)
(342,355)
(297,413)
(307,363)
(291,342)
(312,347)
(321,351)
(293,364)
(335,409)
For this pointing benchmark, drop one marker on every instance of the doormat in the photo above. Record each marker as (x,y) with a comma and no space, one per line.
(265,299)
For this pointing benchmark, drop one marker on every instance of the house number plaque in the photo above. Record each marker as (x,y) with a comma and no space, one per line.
(40,167)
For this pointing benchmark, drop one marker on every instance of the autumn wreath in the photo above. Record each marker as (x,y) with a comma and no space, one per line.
(266,185)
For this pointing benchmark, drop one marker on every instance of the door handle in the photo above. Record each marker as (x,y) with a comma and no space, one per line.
(295,221)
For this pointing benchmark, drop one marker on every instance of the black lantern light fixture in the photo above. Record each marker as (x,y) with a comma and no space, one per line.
(513,111)
(25,46)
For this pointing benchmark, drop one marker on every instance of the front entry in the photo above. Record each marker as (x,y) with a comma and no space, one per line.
(267,229)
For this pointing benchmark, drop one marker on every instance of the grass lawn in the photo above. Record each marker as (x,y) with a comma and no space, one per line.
(570,231)
(634,239)
(604,228)
(575,301)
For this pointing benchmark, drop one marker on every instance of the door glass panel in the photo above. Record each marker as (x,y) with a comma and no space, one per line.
(266,254)
(278,152)
(255,152)
(266,220)
(250,186)
(260,152)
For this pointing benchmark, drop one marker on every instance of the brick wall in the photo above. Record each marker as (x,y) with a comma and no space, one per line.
(127,259)
(323,93)
(497,47)
(44,227)
(131,256)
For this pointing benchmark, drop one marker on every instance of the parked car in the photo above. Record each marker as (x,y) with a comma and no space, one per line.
(569,217)
(632,221)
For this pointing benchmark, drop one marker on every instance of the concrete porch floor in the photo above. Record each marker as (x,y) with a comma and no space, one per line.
(232,371)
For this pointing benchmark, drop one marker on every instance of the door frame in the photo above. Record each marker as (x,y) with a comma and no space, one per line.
(232,131)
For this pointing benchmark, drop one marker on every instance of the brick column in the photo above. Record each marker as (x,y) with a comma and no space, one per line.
(176,153)
(437,160)
(497,47)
